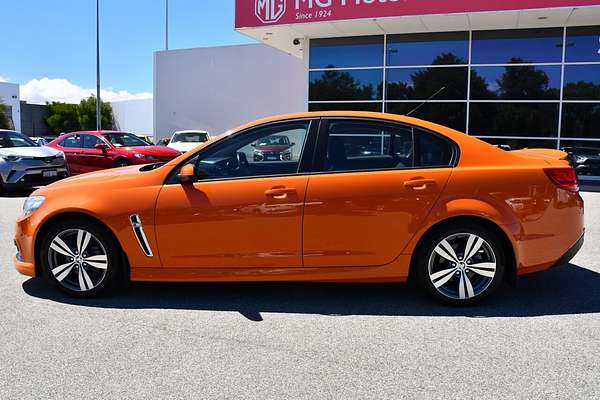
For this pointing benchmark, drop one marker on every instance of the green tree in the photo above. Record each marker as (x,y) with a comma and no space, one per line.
(86,114)
(4,123)
(62,117)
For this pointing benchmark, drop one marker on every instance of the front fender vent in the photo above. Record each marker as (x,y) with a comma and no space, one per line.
(138,230)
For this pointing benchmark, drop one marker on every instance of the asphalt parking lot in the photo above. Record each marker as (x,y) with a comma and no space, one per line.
(310,341)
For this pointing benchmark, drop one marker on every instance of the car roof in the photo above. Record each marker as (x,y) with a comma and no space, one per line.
(102,133)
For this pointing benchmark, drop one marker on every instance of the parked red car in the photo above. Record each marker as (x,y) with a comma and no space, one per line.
(94,150)
(273,148)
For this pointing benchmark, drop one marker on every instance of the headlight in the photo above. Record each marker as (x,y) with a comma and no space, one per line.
(31,204)
(580,159)
(60,154)
(10,158)
(145,156)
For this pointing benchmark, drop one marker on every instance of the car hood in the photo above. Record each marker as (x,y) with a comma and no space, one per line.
(275,147)
(157,151)
(43,151)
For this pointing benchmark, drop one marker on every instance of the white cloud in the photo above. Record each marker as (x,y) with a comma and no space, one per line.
(4,79)
(40,91)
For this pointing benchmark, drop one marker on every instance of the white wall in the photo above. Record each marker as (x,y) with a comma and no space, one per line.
(136,116)
(9,94)
(219,88)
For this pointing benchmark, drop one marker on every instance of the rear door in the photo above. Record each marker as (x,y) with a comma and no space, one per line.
(373,185)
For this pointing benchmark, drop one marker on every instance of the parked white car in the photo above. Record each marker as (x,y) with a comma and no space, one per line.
(185,141)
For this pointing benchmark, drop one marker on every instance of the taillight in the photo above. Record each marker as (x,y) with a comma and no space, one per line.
(564,178)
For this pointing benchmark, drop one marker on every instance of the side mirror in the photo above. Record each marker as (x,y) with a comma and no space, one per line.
(292,144)
(253,145)
(101,146)
(187,174)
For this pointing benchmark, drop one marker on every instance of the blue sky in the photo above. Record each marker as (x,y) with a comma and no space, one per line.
(56,39)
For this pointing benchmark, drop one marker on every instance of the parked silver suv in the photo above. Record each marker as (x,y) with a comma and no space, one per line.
(24,164)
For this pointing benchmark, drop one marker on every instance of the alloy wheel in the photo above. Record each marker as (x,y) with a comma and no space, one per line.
(462,266)
(78,260)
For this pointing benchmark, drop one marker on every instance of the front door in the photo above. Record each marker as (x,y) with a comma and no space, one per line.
(373,188)
(245,208)
(93,159)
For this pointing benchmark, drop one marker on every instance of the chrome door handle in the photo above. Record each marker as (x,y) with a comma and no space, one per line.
(419,184)
(279,192)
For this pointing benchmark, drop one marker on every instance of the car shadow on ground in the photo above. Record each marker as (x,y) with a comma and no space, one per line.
(564,290)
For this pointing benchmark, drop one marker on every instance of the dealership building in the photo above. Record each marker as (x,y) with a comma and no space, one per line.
(519,72)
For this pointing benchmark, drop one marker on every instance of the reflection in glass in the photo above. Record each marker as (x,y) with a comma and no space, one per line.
(374,107)
(507,46)
(583,44)
(582,82)
(514,119)
(585,155)
(453,115)
(421,83)
(426,48)
(581,120)
(361,51)
(516,83)
(365,84)
(516,144)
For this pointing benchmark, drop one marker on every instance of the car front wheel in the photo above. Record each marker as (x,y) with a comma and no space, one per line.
(462,265)
(80,257)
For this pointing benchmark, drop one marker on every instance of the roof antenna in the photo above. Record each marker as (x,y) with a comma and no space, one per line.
(426,101)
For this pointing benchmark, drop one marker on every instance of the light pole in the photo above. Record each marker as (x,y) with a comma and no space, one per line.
(98,100)
(166,24)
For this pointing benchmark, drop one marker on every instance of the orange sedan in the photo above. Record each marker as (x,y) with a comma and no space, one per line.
(356,197)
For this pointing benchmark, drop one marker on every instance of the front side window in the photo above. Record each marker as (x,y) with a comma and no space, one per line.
(274,149)
(73,141)
(90,141)
(15,139)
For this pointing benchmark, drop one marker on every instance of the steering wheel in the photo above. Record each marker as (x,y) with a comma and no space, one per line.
(242,162)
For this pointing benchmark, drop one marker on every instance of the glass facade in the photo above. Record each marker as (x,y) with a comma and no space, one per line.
(521,88)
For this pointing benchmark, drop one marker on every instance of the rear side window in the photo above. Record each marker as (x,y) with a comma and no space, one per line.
(71,141)
(432,150)
(365,145)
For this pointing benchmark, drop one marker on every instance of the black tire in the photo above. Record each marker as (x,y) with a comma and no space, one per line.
(121,162)
(101,244)
(462,285)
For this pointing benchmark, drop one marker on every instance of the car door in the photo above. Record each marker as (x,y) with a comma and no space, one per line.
(92,158)
(371,190)
(71,146)
(239,213)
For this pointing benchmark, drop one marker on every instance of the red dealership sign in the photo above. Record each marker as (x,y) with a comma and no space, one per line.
(255,13)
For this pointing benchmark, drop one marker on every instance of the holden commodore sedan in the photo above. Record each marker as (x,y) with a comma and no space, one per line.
(446,210)
(95,150)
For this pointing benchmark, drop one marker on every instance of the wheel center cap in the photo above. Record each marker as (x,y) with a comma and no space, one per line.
(461,265)
(78,259)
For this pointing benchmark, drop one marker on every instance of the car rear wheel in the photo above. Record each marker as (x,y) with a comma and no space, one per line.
(80,257)
(462,265)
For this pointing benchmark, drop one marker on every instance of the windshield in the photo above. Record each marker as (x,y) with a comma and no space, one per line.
(274,140)
(125,140)
(15,139)
(190,137)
